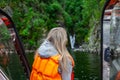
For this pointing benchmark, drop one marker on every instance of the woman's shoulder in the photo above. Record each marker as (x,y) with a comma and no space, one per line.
(46,49)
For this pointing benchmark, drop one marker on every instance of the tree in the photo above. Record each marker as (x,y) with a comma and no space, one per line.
(34,18)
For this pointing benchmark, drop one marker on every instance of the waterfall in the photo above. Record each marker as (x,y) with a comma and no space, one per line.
(72,41)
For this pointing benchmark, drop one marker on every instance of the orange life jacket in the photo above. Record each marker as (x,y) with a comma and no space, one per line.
(45,68)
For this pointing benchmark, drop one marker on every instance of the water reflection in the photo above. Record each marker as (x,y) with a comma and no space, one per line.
(4,41)
(4,59)
(10,64)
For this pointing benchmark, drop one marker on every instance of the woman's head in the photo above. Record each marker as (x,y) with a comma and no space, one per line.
(58,37)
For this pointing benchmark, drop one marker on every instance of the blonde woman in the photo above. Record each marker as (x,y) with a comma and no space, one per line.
(52,60)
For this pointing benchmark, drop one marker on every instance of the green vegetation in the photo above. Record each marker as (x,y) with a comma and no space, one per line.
(33,18)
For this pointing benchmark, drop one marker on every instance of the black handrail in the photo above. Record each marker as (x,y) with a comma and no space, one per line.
(102,17)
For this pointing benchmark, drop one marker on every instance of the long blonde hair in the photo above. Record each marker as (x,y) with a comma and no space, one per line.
(58,37)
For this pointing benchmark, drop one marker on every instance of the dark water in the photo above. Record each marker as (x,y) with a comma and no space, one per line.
(14,70)
(87,66)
